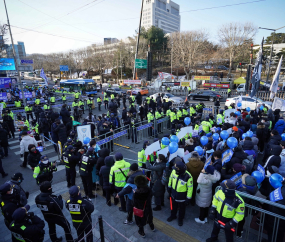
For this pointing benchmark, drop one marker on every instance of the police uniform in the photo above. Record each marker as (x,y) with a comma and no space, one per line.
(118,176)
(27,226)
(134,122)
(158,116)
(80,210)
(81,105)
(86,165)
(70,159)
(106,102)
(51,207)
(18,104)
(43,171)
(76,95)
(52,100)
(228,208)
(180,186)
(63,98)
(150,119)
(229,92)
(99,102)
(89,104)
(28,110)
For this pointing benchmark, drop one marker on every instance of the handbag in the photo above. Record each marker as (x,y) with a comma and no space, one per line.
(139,212)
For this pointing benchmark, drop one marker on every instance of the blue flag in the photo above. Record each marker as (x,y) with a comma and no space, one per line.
(276,195)
(208,161)
(256,75)
(261,169)
(43,75)
(237,179)
(226,156)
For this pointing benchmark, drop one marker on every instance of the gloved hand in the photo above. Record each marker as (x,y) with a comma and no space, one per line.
(230,225)
(21,155)
(188,201)
(212,213)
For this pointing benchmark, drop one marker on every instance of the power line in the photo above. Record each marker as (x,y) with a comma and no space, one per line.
(52,34)
(223,6)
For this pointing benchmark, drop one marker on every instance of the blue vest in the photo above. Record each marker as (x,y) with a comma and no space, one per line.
(130,195)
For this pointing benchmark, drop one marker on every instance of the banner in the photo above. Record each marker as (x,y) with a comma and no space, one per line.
(170,84)
(226,156)
(237,179)
(137,82)
(261,169)
(216,85)
(208,162)
(84,131)
(5,83)
(7,64)
(199,78)
(43,75)
(184,84)
(274,85)
(256,75)
(278,103)
(276,195)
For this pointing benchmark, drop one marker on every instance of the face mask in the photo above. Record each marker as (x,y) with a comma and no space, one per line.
(157,161)
(33,149)
(19,181)
(45,162)
(12,191)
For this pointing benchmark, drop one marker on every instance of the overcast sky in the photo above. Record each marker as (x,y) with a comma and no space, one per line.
(84,25)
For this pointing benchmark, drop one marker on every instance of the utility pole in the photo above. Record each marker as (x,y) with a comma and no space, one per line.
(16,61)
(269,65)
(121,66)
(138,41)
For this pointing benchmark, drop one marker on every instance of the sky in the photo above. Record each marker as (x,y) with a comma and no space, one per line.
(85,22)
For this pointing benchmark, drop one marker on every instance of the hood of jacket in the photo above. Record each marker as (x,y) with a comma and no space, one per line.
(104,153)
(120,163)
(248,145)
(254,140)
(276,150)
(26,138)
(194,162)
(277,138)
(42,115)
(132,175)
(109,163)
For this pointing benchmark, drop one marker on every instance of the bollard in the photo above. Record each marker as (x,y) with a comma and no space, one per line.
(100,221)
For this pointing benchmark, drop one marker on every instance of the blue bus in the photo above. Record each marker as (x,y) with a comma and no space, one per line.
(88,86)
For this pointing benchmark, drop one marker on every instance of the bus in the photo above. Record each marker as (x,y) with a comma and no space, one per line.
(87,85)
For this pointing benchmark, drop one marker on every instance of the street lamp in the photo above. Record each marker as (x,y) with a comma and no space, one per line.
(269,65)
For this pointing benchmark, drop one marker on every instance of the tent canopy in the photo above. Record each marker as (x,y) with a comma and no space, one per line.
(240,80)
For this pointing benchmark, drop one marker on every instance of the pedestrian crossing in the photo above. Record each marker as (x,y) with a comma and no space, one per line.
(14,146)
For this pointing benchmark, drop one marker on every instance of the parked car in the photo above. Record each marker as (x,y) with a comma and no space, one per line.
(176,101)
(204,95)
(135,91)
(42,84)
(115,91)
(247,101)
(223,68)
(105,85)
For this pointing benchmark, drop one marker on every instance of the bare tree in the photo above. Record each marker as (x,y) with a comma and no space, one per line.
(188,48)
(3,39)
(232,37)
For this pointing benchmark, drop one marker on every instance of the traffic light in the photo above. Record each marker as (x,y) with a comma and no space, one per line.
(149,66)
(240,63)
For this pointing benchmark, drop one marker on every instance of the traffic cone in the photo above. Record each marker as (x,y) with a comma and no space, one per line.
(102,92)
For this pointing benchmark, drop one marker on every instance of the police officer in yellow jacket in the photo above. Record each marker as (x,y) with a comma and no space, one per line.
(227,210)
(89,104)
(80,209)
(141,155)
(99,102)
(180,186)
(63,98)
(118,177)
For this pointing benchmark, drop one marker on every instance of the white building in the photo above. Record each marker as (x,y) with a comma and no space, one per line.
(163,14)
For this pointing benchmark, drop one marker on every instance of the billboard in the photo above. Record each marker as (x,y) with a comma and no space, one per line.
(198,78)
(6,82)
(7,64)
(170,84)
(29,62)
(185,84)
(216,85)
(137,82)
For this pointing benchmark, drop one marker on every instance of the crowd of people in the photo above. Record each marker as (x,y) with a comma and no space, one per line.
(260,141)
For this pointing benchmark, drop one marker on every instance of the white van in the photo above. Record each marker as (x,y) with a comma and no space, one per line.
(42,84)
(241,87)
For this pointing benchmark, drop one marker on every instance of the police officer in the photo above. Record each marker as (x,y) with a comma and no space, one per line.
(157,116)
(86,165)
(118,177)
(70,158)
(52,99)
(124,100)
(43,171)
(206,125)
(229,92)
(150,119)
(28,110)
(76,95)
(17,103)
(51,207)
(99,102)
(63,98)
(106,102)
(46,107)
(81,105)
(27,226)
(180,186)
(9,202)
(199,107)
(80,210)
(68,143)
(189,90)
(227,208)
(38,100)
(15,182)
(75,103)
(141,155)
(89,104)
(134,124)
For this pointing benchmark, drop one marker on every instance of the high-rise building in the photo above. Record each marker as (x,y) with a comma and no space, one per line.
(163,14)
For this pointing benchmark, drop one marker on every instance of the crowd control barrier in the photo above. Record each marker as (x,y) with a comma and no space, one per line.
(258,224)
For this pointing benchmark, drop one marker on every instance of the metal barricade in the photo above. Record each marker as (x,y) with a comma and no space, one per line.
(143,130)
(164,124)
(257,225)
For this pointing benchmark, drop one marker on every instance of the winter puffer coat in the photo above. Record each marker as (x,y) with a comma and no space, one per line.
(101,160)
(104,173)
(262,133)
(34,158)
(274,159)
(60,130)
(204,190)
(64,113)
(280,126)
(43,124)
(194,167)
(248,148)
(25,142)
(255,142)
(156,176)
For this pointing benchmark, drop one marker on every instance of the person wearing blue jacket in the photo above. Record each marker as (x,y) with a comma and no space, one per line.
(248,147)
(280,125)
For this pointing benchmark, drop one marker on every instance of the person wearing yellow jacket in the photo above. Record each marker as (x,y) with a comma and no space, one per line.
(141,155)
(118,177)
(158,116)
(180,186)
(206,125)
(227,208)
(43,172)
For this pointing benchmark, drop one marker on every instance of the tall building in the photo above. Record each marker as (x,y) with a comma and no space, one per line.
(20,55)
(108,41)
(163,14)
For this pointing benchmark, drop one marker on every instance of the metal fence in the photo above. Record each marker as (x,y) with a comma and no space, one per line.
(258,218)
